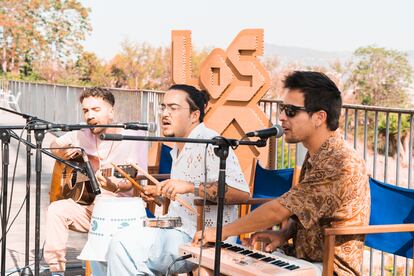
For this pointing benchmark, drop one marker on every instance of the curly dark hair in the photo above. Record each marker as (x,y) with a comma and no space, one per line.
(99,92)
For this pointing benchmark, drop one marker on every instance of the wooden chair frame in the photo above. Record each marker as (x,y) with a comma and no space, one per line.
(331,233)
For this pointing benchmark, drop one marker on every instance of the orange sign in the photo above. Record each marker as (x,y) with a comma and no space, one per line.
(235,80)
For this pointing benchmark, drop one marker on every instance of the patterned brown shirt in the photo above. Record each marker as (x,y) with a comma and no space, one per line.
(333,190)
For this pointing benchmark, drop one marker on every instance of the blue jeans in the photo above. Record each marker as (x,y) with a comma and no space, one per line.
(144,251)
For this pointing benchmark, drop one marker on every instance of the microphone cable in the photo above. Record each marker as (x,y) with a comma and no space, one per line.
(203,215)
(12,188)
(202,219)
(182,258)
(16,269)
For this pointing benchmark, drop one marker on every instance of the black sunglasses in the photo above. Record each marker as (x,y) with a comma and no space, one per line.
(291,110)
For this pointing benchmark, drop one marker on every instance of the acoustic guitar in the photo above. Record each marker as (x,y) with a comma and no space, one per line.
(68,183)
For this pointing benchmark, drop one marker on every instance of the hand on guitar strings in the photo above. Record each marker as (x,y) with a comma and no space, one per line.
(108,183)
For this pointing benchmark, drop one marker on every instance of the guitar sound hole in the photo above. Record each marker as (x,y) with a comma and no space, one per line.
(73,180)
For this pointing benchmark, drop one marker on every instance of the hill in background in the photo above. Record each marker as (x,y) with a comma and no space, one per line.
(312,57)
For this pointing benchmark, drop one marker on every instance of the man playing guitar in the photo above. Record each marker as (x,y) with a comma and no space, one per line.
(62,215)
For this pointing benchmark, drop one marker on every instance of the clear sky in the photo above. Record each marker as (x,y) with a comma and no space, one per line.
(316,24)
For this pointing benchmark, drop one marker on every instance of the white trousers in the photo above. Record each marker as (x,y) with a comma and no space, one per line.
(144,251)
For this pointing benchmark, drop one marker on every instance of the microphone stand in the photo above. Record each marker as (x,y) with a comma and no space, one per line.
(222,151)
(29,119)
(5,142)
(5,135)
(39,132)
(27,271)
(39,126)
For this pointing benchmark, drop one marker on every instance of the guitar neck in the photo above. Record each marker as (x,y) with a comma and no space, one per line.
(108,172)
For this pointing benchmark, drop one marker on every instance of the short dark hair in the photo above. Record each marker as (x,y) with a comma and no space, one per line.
(320,93)
(99,92)
(197,99)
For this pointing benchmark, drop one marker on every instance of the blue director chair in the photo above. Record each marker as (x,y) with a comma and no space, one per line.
(161,172)
(390,228)
(270,183)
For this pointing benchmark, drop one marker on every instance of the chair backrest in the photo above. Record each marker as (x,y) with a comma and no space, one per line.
(271,183)
(391,205)
(165,160)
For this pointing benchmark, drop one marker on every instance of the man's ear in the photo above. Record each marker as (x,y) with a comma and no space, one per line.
(195,116)
(112,113)
(321,117)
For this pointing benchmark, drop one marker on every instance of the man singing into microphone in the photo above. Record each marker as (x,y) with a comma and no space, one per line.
(150,251)
(333,188)
(62,215)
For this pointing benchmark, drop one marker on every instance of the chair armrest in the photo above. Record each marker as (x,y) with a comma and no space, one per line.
(370,229)
(330,233)
(250,201)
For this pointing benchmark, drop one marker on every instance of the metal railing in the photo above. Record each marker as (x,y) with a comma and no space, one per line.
(383,136)
(60,104)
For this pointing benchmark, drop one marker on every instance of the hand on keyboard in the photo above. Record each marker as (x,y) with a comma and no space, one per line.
(209,236)
(271,239)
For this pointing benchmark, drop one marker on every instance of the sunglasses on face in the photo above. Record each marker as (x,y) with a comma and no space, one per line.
(291,110)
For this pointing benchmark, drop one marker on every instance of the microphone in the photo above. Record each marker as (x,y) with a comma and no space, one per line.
(275,130)
(91,175)
(150,127)
(114,137)
(62,127)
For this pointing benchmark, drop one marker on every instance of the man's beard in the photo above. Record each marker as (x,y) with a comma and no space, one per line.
(168,134)
(97,130)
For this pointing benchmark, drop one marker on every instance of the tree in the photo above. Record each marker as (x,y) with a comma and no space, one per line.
(86,66)
(403,143)
(272,66)
(381,77)
(141,66)
(48,31)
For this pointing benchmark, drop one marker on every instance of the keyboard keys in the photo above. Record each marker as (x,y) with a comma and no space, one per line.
(235,249)
(280,263)
(246,252)
(226,245)
(257,255)
(292,267)
(268,259)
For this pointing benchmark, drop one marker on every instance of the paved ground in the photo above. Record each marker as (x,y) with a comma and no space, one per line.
(15,241)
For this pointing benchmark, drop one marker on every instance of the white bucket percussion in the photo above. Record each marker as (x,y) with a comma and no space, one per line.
(110,215)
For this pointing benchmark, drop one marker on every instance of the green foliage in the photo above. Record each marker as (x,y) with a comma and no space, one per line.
(286,163)
(42,36)
(137,66)
(141,66)
(393,132)
(393,124)
(381,77)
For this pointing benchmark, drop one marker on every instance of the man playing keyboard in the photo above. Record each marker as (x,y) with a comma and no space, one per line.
(333,188)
